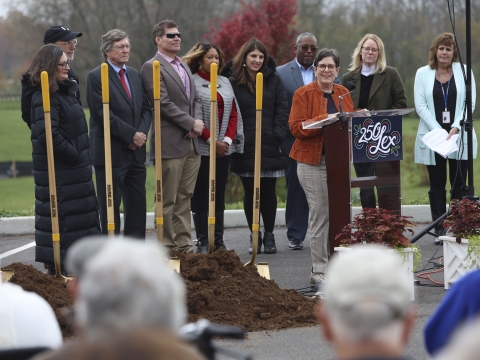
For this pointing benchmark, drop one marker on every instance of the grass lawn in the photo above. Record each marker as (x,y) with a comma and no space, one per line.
(18,194)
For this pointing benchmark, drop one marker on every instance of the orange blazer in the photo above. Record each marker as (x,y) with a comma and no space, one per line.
(309,104)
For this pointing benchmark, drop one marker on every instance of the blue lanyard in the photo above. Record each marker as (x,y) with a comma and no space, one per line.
(445,96)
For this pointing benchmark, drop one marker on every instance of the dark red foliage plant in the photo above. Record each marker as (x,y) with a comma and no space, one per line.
(464,219)
(377,226)
(270,21)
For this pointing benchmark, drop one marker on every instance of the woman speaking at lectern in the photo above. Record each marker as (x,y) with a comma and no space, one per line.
(314,102)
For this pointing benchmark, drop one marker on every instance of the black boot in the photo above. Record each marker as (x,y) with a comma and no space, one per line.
(200,221)
(438,200)
(269,243)
(219,226)
(259,248)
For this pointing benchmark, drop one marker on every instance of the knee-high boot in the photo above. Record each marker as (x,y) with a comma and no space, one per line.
(219,226)
(438,200)
(200,221)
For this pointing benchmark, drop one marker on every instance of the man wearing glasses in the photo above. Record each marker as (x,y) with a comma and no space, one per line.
(295,74)
(62,36)
(130,117)
(181,121)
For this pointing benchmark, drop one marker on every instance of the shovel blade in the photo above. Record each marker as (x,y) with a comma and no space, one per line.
(6,275)
(263,270)
(174,264)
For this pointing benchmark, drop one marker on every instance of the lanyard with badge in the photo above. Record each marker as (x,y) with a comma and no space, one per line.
(446,113)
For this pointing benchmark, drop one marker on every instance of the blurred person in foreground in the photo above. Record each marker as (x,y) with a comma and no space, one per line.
(314,102)
(464,344)
(229,127)
(124,288)
(366,312)
(138,344)
(440,95)
(27,321)
(378,87)
(460,305)
(62,36)
(76,199)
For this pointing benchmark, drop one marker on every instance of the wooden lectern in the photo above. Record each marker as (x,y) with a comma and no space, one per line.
(337,137)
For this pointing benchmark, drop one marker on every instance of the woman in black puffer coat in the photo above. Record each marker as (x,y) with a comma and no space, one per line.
(242,70)
(77,202)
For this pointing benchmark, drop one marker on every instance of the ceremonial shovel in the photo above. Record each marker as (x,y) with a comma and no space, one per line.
(173,262)
(262,267)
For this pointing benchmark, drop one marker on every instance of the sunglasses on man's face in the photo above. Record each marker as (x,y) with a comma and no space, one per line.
(172,35)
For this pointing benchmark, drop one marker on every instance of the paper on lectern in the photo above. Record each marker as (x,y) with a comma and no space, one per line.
(436,140)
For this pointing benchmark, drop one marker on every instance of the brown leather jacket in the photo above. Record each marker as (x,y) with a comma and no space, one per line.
(309,104)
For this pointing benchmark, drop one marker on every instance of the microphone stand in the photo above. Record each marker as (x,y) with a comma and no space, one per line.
(342,116)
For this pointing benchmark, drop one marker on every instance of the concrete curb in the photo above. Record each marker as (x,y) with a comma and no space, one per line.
(233,219)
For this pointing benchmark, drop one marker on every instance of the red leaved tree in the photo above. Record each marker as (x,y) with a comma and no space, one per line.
(270,21)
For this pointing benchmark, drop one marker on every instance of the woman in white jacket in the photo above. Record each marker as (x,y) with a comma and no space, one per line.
(440,102)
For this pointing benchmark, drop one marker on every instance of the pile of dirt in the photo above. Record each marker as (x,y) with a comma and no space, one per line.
(53,290)
(221,289)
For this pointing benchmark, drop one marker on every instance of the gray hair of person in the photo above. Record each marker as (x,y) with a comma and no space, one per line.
(304,35)
(110,38)
(128,284)
(357,61)
(160,28)
(323,53)
(371,302)
(81,252)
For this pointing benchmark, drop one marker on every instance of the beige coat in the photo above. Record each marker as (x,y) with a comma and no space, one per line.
(177,112)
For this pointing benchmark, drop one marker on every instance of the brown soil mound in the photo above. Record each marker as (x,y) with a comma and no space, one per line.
(53,290)
(221,289)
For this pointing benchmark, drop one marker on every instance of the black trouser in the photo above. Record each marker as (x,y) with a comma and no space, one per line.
(199,202)
(268,201)
(296,211)
(367,194)
(129,186)
(437,174)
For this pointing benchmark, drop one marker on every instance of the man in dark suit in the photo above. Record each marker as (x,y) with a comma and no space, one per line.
(294,75)
(181,121)
(130,117)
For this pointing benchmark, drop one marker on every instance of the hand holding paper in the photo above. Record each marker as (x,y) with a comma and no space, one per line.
(437,141)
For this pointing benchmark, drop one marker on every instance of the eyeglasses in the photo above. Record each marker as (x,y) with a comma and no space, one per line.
(368,49)
(65,64)
(305,48)
(324,67)
(172,35)
(67,43)
(122,47)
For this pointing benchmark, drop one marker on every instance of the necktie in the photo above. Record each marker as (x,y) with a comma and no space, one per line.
(124,83)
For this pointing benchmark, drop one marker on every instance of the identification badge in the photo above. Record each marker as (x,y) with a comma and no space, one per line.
(446,117)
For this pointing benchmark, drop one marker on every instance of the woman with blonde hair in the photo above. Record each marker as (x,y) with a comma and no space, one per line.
(440,95)
(378,87)
(229,128)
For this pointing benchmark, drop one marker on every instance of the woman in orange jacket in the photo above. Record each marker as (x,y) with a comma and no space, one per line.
(315,102)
